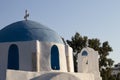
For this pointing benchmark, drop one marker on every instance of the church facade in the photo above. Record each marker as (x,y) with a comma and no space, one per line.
(31,51)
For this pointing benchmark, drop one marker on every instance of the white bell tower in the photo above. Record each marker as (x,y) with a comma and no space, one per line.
(88,62)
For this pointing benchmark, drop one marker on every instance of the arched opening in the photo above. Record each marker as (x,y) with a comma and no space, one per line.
(55,58)
(84,53)
(13,57)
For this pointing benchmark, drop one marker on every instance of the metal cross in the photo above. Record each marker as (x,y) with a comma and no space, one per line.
(26,15)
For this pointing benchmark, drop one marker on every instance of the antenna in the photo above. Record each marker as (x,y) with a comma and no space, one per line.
(26,15)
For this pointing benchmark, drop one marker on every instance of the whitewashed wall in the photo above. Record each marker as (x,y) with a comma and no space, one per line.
(25,51)
(28,49)
(69,58)
(93,64)
(45,51)
(23,75)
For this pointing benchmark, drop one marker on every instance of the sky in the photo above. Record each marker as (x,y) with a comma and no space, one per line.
(93,18)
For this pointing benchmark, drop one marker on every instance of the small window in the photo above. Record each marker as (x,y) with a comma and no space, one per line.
(84,53)
(55,58)
(13,57)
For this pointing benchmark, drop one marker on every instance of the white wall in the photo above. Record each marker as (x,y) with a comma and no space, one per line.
(45,51)
(93,64)
(3,60)
(69,58)
(28,49)
(23,75)
(25,51)
(82,66)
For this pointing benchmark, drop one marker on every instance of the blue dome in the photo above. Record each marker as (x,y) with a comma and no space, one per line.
(28,31)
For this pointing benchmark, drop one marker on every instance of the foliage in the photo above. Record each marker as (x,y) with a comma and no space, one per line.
(78,42)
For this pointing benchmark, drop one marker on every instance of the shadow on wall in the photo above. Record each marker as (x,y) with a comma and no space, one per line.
(56,76)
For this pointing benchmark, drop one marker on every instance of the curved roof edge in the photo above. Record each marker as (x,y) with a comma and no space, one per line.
(27,31)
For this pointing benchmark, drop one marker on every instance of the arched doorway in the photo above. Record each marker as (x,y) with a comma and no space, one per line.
(13,57)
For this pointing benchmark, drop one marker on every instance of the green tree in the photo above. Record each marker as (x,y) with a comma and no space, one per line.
(78,42)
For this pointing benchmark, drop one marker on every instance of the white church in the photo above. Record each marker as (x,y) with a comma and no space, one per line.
(31,51)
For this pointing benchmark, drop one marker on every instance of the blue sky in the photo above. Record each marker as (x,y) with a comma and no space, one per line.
(93,18)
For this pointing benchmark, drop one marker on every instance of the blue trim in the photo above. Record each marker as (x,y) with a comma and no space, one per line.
(13,57)
(55,64)
(84,53)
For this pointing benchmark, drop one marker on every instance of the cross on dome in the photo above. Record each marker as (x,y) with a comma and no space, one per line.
(26,15)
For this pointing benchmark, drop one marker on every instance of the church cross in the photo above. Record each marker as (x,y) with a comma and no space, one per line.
(26,15)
